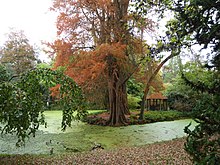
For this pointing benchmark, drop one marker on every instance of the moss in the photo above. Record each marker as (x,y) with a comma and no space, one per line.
(82,136)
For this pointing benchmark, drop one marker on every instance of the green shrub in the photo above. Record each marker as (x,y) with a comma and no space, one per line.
(133,102)
(155,116)
(180,96)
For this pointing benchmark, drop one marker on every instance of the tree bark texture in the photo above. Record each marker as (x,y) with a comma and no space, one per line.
(117,97)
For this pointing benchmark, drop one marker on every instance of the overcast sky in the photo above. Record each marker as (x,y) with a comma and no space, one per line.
(32,16)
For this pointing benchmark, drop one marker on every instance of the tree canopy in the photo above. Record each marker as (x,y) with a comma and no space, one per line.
(17,53)
(197,23)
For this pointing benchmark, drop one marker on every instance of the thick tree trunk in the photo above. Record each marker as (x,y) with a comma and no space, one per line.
(124,100)
(116,104)
(117,96)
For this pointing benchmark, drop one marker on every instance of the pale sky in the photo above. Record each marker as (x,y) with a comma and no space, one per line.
(34,18)
(31,16)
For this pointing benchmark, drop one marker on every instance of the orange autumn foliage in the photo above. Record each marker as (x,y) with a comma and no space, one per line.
(99,46)
(90,67)
(55,91)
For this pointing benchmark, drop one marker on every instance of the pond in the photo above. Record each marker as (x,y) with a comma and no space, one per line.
(82,137)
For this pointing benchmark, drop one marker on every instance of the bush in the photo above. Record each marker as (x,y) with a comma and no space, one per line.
(133,102)
(181,106)
(180,96)
(155,116)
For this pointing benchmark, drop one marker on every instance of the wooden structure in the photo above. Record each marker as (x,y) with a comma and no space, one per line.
(156,101)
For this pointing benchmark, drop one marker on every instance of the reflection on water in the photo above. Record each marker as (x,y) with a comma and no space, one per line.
(81,137)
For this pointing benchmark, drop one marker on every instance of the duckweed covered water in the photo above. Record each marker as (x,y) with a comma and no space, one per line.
(82,137)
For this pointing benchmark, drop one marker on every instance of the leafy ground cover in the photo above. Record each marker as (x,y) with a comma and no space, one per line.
(101,117)
(168,152)
(140,152)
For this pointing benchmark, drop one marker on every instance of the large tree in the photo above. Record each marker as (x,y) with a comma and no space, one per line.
(17,53)
(197,23)
(98,44)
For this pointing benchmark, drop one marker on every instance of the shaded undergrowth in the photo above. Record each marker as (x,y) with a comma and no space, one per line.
(101,118)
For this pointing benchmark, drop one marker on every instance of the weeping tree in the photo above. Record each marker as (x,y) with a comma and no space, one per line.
(22,102)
